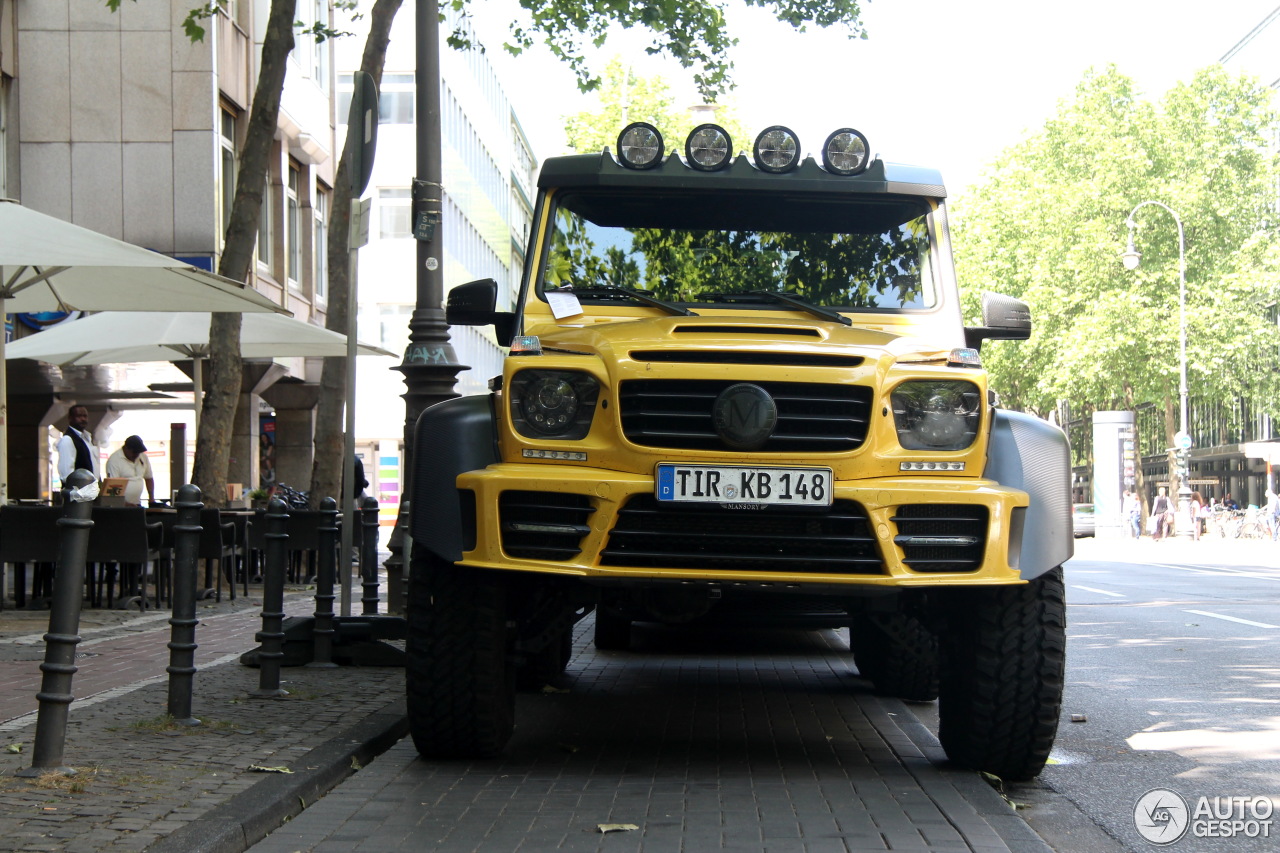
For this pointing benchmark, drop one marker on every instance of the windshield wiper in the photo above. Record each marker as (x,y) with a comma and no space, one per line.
(785,299)
(601,289)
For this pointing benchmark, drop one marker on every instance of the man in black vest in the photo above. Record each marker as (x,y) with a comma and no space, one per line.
(76,448)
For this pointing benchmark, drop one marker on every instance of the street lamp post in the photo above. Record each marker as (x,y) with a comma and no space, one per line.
(1131,258)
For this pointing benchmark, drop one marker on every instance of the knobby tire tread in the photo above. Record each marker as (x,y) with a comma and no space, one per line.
(460,688)
(897,653)
(1002,677)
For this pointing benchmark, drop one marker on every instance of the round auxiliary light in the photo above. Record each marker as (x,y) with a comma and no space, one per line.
(777,149)
(846,152)
(708,148)
(640,146)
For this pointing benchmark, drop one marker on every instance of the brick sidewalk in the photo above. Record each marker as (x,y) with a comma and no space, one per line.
(706,741)
(140,781)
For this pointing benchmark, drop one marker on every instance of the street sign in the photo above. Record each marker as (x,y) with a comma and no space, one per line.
(1182,441)
(362,131)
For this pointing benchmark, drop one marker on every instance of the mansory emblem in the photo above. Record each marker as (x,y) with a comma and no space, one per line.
(744,416)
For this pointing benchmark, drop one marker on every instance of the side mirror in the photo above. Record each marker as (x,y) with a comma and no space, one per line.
(475,304)
(1003,319)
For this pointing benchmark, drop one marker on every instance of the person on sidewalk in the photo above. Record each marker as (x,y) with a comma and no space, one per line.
(1132,512)
(76,448)
(1161,515)
(1197,511)
(131,462)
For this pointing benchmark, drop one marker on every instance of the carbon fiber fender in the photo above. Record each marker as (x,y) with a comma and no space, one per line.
(449,439)
(1033,455)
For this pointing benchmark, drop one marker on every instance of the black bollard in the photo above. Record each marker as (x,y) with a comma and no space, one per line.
(395,567)
(368,518)
(271,637)
(64,628)
(182,632)
(322,632)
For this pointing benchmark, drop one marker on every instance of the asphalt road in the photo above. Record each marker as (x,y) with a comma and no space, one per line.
(1174,664)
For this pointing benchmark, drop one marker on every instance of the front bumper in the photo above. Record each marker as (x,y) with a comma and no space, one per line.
(889,532)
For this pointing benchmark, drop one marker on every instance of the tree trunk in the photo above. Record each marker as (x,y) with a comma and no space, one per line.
(1171,452)
(222,394)
(326,470)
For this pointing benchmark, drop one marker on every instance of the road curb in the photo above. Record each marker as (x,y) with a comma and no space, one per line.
(248,817)
(986,802)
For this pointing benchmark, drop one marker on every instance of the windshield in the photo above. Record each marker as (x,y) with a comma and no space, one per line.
(854,254)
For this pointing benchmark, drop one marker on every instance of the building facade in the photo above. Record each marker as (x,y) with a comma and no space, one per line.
(488,176)
(120,123)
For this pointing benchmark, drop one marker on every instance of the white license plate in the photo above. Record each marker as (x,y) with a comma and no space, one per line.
(678,483)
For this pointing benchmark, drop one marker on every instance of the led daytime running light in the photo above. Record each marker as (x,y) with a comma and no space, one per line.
(931,466)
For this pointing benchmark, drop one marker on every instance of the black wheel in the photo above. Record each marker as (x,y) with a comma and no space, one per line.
(459,684)
(897,654)
(541,668)
(1003,659)
(613,630)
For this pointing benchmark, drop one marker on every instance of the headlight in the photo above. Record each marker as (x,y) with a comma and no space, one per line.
(708,148)
(777,149)
(553,403)
(936,414)
(640,146)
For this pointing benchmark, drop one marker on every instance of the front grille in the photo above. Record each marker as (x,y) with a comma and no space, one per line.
(785,359)
(543,525)
(833,540)
(812,417)
(942,537)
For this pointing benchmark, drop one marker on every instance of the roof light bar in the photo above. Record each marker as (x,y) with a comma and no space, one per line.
(846,152)
(708,148)
(777,149)
(640,146)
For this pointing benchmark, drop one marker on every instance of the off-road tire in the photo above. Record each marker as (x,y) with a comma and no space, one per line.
(459,683)
(897,654)
(1003,660)
(543,667)
(613,631)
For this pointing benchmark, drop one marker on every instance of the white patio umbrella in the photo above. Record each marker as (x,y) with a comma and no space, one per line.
(122,337)
(48,264)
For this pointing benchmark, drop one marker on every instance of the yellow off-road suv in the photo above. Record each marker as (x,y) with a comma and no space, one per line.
(741,383)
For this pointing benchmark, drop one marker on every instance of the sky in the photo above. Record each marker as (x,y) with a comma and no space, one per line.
(942,83)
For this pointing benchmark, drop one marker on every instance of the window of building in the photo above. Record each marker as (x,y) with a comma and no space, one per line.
(395,99)
(346,84)
(322,47)
(321,243)
(266,225)
(4,141)
(393,326)
(226,167)
(293,224)
(394,213)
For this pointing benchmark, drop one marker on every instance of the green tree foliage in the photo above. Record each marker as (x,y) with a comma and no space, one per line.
(1048,226)
(626,97)
(694,32)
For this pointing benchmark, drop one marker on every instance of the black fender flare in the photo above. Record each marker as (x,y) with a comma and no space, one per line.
(450,438)
(1033,455)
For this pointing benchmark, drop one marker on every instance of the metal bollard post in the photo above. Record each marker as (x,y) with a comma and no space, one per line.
(322,632)
(396,568)
(271,637)
(182,632)
(64,626)
(369,554)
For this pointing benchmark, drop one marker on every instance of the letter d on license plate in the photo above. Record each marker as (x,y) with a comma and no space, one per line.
(678,483)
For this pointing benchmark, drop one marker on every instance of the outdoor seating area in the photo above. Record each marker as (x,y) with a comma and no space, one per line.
(130,556)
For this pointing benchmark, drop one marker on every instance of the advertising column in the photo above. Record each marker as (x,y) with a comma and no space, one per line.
(1114,470)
